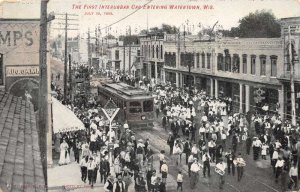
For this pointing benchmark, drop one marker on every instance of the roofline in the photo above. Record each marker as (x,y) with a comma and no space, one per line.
(290,18)
(19,19)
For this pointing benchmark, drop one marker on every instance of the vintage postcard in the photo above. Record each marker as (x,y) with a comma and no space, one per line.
(150,95)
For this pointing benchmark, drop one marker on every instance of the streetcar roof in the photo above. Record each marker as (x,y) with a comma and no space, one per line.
(126,91)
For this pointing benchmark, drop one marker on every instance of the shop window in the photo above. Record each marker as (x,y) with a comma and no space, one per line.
(208,60)
(220,62)
(203,60)
(253,64)
(148,106)
(245,63)
(262,65)
(273,66)
(236,63)
(117,65)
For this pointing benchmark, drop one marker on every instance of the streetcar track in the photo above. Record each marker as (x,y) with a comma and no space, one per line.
(256,180)
(180,167)
(159,135)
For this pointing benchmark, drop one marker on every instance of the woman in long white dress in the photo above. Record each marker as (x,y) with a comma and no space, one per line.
(64,157)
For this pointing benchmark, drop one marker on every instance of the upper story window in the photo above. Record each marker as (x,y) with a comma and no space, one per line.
(273,65)
(262,65)
(198,60)
(253,64)
(187,59)
(236,63)
(161,52)
(203,60)
(170,59)
(153,51)
(149,51)
(208,56)
(157,51)
(227,63)
(1,69)
(117,54)
(220,61)
(245,63)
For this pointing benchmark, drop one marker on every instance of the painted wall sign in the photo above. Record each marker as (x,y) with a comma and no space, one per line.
(14,38)
(22,71)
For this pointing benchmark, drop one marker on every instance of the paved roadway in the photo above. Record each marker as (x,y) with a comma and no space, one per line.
(257,177)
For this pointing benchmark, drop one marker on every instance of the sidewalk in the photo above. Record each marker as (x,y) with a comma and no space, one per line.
(68,178)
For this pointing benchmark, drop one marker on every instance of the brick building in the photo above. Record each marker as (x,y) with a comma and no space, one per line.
(251,71)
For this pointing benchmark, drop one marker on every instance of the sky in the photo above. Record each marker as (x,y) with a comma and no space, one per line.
(226,12)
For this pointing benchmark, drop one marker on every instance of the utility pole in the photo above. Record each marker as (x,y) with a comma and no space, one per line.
(291,62)
(66,29)
(129,62)
(43,86)
(124,56)
(70,78)
(89,51)
(66,58)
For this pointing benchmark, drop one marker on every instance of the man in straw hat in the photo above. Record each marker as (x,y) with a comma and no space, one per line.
(221,167)
(195,168)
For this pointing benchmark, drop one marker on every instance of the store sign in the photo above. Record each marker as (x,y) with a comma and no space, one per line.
(22,71)
(15,38)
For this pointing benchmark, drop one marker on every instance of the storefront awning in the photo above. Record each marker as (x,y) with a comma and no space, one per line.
(64,119)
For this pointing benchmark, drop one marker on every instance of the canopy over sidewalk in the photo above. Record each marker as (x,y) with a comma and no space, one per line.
(64,119)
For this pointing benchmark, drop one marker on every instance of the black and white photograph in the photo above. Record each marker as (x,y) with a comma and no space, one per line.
(150,95)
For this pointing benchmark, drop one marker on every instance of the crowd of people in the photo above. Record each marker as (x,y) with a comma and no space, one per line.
(203,129)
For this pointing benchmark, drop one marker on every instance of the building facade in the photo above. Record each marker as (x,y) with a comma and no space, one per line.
(19,57)
(152,57)
(124,58)
(251,71)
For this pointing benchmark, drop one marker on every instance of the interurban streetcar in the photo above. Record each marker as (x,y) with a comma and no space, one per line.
(136,105)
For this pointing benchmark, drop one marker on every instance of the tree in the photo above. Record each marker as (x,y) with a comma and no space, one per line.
(164,28)
(259,24)
(129,39)
(169,29)
(110,36)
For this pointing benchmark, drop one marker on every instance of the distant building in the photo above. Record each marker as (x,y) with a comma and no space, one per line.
(152,56)
(251,71)
(123,58)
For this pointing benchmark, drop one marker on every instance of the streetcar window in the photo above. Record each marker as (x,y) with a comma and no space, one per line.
(135,110)
(135,104)
(148,106)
